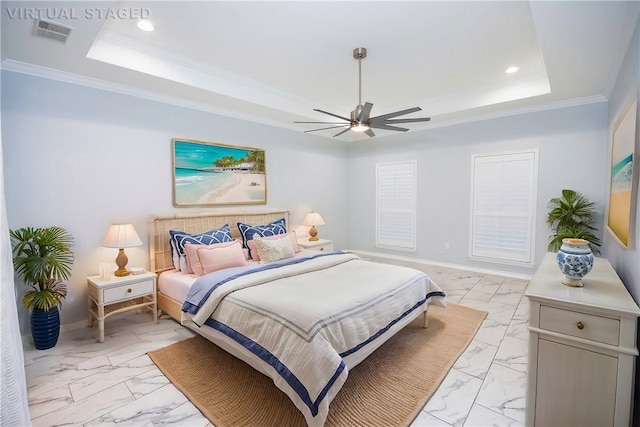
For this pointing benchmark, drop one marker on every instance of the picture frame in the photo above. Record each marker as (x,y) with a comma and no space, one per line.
(207,173)
(622,183)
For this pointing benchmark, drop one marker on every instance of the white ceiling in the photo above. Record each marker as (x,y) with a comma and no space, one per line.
(273,62)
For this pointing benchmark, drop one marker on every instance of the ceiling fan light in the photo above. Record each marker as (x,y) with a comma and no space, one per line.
(360,127)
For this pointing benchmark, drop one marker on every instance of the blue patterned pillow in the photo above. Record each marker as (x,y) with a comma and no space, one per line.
(179,238)
(248,232)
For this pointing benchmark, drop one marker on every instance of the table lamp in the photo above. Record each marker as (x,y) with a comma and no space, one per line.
(313,219)
(121,236)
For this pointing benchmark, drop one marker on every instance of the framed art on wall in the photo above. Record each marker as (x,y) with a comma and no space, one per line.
(621,190)
(207,173)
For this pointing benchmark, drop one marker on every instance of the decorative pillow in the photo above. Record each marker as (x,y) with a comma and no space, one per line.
(249,231)
(273,250)
(179,238)
(175,256)
(222,256)
(193,261)
(292,235)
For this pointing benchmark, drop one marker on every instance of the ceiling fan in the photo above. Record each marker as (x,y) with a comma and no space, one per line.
(360,120)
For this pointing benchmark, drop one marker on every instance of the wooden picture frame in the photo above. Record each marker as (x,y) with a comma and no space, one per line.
(622,186)
(206,173)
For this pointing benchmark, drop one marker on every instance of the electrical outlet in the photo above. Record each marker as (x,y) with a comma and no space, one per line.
(446,246)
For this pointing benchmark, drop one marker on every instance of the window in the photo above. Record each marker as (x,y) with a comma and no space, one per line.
(396,205)
(503,198)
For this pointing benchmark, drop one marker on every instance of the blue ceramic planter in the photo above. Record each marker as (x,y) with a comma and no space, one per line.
(45,327)
(575,261)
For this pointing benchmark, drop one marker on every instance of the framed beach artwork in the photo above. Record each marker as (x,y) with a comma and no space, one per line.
(622,184)
(207,173)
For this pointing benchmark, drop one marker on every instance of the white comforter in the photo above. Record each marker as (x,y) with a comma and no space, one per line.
(304,321)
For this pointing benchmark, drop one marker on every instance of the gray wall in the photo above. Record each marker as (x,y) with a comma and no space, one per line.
(83,158)
(572,145)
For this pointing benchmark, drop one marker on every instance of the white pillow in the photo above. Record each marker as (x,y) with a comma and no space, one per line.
(273,250)
(253,252)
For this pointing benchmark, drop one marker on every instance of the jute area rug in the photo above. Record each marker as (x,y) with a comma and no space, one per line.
(389,388)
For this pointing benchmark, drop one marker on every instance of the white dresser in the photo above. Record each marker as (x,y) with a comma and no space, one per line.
(582,348)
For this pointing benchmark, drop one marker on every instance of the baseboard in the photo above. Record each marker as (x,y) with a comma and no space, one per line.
(66,327)
(442,264)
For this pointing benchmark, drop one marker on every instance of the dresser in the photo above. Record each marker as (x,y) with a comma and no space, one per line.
(582,348)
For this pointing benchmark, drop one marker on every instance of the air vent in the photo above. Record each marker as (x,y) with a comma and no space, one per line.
(52,30)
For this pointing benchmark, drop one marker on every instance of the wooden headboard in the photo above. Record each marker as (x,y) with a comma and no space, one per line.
(159,226)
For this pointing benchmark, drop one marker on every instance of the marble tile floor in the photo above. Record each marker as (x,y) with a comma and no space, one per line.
(81,382)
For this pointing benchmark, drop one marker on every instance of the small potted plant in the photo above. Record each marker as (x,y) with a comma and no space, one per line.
(572,216)
(43,257)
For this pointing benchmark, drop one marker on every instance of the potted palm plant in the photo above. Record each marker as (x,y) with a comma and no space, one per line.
(43,257)
(572,216)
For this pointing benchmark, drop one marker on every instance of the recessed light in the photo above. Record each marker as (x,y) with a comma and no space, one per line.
(145,25)
(511,69)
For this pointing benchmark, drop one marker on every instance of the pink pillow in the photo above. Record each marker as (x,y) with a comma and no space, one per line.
(193,261)
(291,234)
(217,258)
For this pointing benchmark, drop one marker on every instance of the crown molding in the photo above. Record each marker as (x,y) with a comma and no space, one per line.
(517,111)
(94,83)
(99,84)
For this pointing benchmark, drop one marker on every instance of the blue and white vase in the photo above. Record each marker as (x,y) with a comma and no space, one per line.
(575,260)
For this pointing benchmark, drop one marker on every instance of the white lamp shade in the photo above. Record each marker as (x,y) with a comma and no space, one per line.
(121,236)
(313,218)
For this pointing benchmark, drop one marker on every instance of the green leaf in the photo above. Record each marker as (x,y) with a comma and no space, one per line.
(43,257)
(572,216)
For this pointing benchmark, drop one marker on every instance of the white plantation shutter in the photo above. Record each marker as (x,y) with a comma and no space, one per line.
(503,205)
(396,205)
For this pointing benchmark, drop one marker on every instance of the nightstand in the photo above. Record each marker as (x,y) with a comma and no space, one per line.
(119,294)
(318,245)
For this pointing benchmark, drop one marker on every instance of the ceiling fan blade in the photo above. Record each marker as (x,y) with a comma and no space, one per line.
(396,114)
(329,123)
(365,112)
(332,127)
(342,131)
(386,127)
(370,133)
(423,119)
(331,114)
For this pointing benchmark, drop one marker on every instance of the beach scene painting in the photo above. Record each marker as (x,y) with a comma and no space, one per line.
(619,213)
(215,174)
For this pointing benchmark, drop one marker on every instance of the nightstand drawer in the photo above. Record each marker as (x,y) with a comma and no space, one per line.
(127,291)
(587,326)
(327,247)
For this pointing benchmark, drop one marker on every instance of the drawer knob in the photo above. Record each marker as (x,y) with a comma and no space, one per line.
(129,291)
(580,325)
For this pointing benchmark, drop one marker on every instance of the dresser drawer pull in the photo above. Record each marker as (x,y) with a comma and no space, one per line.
(580,325)
(129,291)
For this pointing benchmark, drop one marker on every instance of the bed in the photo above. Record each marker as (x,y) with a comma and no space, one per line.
(304,320)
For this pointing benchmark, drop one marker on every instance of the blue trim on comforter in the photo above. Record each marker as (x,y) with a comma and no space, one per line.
(282,370)
(269,358)
(205,285)
(393,322)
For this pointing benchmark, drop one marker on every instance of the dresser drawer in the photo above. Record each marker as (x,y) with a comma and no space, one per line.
(127,291)
(587,326)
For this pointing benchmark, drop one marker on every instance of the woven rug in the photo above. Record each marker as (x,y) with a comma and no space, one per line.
(389,388)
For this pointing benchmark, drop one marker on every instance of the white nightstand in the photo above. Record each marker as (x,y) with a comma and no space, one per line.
(119,294)
(318,245)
